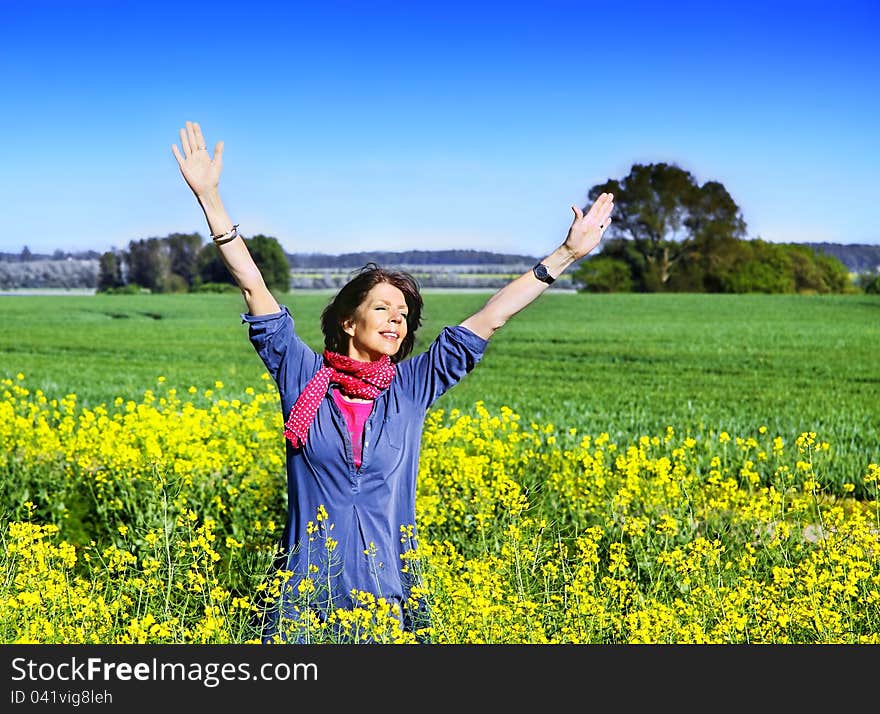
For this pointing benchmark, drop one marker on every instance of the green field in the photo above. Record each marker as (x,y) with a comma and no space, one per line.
(628,364)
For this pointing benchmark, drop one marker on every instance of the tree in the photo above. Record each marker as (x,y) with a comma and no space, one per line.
(755,266)
(164,265)
(148,263)
(272,262)
(668,218)
(183,250)
(109,272)
(267,254)
(828,274)
(210,267)
(870,283)
(603,274)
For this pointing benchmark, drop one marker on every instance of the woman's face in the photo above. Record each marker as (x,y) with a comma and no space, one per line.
(378,326)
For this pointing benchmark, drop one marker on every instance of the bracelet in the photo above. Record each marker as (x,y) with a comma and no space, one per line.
(226,237)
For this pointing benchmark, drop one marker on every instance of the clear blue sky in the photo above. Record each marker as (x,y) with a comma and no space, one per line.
(408,125)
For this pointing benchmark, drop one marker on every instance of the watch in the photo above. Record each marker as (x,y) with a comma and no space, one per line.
(542,274)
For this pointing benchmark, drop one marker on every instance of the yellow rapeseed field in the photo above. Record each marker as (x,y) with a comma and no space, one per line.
(156,522)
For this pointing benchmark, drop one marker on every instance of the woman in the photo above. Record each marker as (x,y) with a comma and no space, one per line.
(354,414)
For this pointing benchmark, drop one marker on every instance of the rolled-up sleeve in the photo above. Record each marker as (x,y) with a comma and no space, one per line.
(288,359)
(454,353)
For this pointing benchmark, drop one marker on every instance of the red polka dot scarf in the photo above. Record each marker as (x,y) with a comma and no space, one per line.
(362,380)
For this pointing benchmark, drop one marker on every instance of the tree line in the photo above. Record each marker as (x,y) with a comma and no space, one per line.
(183,262)
(669,233)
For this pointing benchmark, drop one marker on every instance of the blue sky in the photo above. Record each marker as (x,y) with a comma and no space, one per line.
(404,125)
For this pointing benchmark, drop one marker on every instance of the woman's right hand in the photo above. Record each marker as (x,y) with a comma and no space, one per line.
(201,172)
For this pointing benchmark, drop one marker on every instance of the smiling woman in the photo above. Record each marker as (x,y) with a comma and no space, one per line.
(374,304)
(355,413)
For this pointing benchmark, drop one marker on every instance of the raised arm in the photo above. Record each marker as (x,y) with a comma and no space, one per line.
(202,175)
(583,236)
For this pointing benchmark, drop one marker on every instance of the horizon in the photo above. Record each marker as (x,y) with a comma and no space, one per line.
(374,129)
(43,255)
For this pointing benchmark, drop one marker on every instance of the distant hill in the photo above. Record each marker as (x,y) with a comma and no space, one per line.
(856,257)
(326,260)
(408,257)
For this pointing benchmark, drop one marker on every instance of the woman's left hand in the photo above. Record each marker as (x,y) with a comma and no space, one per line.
(587,229)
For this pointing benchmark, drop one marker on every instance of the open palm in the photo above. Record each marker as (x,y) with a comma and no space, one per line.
(200,171)
(587,229)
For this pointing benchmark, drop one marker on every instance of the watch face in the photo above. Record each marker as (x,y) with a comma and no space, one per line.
(542,273)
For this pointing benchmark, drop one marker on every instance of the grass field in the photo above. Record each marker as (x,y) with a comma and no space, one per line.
(626,364)
(618,469)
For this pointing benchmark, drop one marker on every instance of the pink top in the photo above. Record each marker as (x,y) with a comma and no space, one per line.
(356,415)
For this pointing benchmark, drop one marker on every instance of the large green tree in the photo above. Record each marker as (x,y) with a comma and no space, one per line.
(267,254)
(183,249)
(149,263)
(668,220)
(273,263)
(163,264)
(109,271)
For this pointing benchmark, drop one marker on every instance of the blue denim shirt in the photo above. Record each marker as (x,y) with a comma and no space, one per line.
(359,543)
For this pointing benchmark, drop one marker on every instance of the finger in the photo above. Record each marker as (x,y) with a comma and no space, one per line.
(197,132)
(191,135)
(596,209)
(177,155)
(604,225)
(218,151)
(603,205)
(578,213)
(184,142)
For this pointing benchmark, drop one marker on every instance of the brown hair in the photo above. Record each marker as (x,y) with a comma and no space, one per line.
(353,293)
